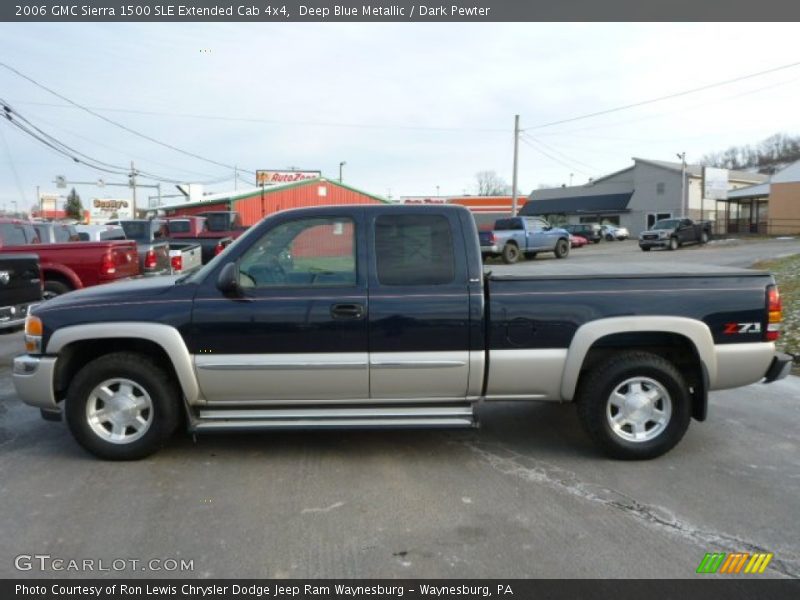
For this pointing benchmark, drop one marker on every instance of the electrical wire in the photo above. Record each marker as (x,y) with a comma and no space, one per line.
(558,152)
(662,98)
(554,158)
(112,122)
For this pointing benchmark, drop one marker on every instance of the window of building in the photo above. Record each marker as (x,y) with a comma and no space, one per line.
(414,250)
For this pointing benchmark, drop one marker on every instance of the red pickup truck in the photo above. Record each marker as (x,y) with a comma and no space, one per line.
(71,265)
(196,229)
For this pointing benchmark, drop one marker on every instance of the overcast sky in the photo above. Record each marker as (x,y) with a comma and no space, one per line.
(408,106)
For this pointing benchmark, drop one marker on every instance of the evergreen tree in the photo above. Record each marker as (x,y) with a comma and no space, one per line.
(73,207)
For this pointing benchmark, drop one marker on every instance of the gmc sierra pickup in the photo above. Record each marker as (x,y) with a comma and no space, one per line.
(381,316)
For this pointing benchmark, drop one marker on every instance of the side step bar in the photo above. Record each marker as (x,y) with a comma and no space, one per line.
(362,417)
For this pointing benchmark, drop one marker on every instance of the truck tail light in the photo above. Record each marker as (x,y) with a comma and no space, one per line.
(150,260)
(177,263)
(218,248)
(774,313)
(108,266)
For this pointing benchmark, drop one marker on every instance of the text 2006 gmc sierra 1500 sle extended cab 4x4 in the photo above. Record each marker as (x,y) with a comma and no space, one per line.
(381,316)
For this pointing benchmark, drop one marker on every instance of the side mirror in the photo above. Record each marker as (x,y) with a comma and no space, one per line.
(228,279)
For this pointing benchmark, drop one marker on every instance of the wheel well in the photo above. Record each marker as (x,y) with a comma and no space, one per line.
(56,276)
(512,243)
(676,348)
(73,357)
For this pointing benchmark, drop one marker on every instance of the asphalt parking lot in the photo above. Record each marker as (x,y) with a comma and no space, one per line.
(526,495)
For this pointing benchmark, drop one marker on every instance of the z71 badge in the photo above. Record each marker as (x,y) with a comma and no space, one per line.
(735,328)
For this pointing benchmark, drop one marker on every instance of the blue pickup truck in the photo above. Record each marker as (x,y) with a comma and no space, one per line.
(381,316)
(523,236)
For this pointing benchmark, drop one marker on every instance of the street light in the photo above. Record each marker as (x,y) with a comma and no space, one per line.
(341,164)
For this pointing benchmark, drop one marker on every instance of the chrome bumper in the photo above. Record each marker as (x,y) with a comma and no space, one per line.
(14,316)
(33,380)
(490,249)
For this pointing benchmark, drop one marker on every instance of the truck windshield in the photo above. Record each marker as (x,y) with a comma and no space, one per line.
(666,224)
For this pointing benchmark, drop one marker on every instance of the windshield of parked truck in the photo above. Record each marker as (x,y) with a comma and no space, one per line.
(666,224)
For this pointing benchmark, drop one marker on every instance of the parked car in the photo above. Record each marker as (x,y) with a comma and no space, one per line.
(577,241)
(55,233)
(97,233)
(591,231)
(614,233)
(523,236)
(674,233)
(385,318)
(20,287)
(194,229)
(70,266)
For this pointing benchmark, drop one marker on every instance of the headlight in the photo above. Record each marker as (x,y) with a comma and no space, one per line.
(663,234)
(33,334)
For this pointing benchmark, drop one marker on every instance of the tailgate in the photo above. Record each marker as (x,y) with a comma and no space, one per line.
(190,256)
(125,260)
(486,238)
(20,281)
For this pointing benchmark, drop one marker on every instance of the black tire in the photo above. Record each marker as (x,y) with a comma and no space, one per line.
(597,241)
(673,243)
(609,238)
(704,237)
(595,410)
(562,248)
(144,373)
(530,255)
(53,288)
(510,254)
(645,248)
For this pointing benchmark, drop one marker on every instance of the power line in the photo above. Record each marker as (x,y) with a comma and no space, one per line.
(571,167)
(662,98)
(111,121)
(559,152)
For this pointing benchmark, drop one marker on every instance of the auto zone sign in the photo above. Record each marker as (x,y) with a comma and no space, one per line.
(275,177)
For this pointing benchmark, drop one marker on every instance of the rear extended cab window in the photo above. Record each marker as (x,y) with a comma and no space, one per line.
(17,234)
(414,250)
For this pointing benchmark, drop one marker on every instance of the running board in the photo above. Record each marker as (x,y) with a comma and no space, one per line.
(362,417)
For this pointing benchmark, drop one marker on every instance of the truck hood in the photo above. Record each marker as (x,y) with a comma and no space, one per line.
(129,290)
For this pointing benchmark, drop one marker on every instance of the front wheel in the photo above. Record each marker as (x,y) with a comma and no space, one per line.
(634,405)
(510,254)
(704,237)
(122,406)
(562,249)
(673,243)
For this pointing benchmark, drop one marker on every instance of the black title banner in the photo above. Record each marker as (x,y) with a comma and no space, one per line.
(388,589)
(398,10)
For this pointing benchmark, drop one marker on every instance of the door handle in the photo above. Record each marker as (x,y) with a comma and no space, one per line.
(347,311)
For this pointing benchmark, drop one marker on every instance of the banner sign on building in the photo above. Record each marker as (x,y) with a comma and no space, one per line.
(105,209)
(275,177)
(715,183)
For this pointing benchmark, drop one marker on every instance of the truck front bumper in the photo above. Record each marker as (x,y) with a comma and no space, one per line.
(654,243)
(14,316)
(781,367)
(33,380)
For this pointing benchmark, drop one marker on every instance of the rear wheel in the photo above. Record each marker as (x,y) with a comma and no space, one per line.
(562,249)
(634,405)
(510,254)
(53,288)
(122,406)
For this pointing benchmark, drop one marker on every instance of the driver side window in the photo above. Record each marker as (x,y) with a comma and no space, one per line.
(312,252)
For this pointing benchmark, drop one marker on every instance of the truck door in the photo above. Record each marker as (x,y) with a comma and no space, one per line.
(298,330)
(538,239)
(419,306)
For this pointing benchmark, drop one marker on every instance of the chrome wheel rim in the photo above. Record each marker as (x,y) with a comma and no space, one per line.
(639,409)
(119,411)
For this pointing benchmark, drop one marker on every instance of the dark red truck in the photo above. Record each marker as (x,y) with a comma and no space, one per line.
(198,229)
(71,265)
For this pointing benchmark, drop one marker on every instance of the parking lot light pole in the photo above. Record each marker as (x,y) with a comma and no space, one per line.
(341,164)
(684,208)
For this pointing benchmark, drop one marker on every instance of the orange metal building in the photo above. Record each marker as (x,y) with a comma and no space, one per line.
(254,204)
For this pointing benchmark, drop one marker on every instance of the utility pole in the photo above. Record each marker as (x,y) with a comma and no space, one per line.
(682,156)
(514,173)
(132,179)
(39,201)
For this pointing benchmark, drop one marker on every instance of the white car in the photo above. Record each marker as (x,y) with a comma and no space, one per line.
(100,233)
(612,232)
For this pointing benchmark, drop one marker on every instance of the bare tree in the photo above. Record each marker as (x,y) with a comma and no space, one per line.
(491,184)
